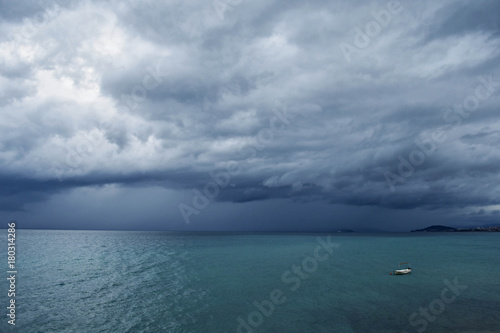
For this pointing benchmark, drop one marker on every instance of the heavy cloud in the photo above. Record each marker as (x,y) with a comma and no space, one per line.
(162,94)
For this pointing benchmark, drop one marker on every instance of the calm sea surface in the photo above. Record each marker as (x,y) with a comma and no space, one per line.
(118,281)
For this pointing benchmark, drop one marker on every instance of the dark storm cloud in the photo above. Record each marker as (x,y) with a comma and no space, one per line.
(13,11)
(463,17)
(167,93)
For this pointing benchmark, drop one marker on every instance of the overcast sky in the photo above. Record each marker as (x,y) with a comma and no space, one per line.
(249,115)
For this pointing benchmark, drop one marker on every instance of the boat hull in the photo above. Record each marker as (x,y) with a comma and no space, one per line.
(402,271)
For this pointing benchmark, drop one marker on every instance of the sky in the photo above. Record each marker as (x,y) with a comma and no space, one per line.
(245,115)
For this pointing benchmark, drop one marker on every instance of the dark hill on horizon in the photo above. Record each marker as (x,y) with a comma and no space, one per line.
(443,228)
(435,228)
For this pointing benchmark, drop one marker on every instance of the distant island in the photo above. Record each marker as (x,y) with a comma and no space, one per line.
(442,228)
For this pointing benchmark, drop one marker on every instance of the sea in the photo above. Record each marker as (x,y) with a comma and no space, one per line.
(134,281)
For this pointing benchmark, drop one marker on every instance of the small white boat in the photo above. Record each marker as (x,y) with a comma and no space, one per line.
(406,269)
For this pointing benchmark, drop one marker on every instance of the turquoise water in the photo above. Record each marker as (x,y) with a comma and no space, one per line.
(117,281)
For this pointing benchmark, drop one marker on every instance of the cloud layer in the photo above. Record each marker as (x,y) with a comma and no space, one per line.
(386,104)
